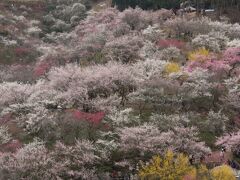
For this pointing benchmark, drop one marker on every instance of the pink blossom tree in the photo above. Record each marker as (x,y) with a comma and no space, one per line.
(230,141)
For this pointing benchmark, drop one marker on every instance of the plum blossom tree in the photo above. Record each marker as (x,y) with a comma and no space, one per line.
(216,122)
(123,49)
(188,27)
(172,54)
(213,41)
(4,135)
(79,86)
(32,161)
(135,18)
(13,92)
(90,48)
(232,99)
(35,161)
(234,43)
(231,30)
(230,141)
(145,138)
(64,14)
(169,122)
(157,94)
(148,138)
(153,33)
(74,161)
(148,69)
(231,55)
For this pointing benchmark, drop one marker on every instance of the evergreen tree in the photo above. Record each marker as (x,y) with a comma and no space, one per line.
(146,4)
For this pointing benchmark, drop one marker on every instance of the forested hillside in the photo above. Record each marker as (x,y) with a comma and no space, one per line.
(89,92)
(230,8)
(148,4)
(157,4)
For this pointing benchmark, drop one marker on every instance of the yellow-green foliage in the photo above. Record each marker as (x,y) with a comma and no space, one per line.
(203,173)
(168,167)
(219,173)
(223,173)
(199,173)
(177,167)
(198,55)
(172,68)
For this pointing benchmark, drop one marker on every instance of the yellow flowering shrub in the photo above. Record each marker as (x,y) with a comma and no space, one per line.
(192,175)
(201,172)
(223,173)
(172,68)
(168,167)
(177,167)
(198,55)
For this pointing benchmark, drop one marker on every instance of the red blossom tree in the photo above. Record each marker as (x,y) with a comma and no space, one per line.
(94,118)
(41,68)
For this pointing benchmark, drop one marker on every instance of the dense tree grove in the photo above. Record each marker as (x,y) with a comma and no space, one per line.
(169,4)
(148,4)
(87,94)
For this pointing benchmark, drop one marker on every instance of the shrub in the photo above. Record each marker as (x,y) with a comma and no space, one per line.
(172,68)
(166,168)
(223,172)
(200,172)
(198,55)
